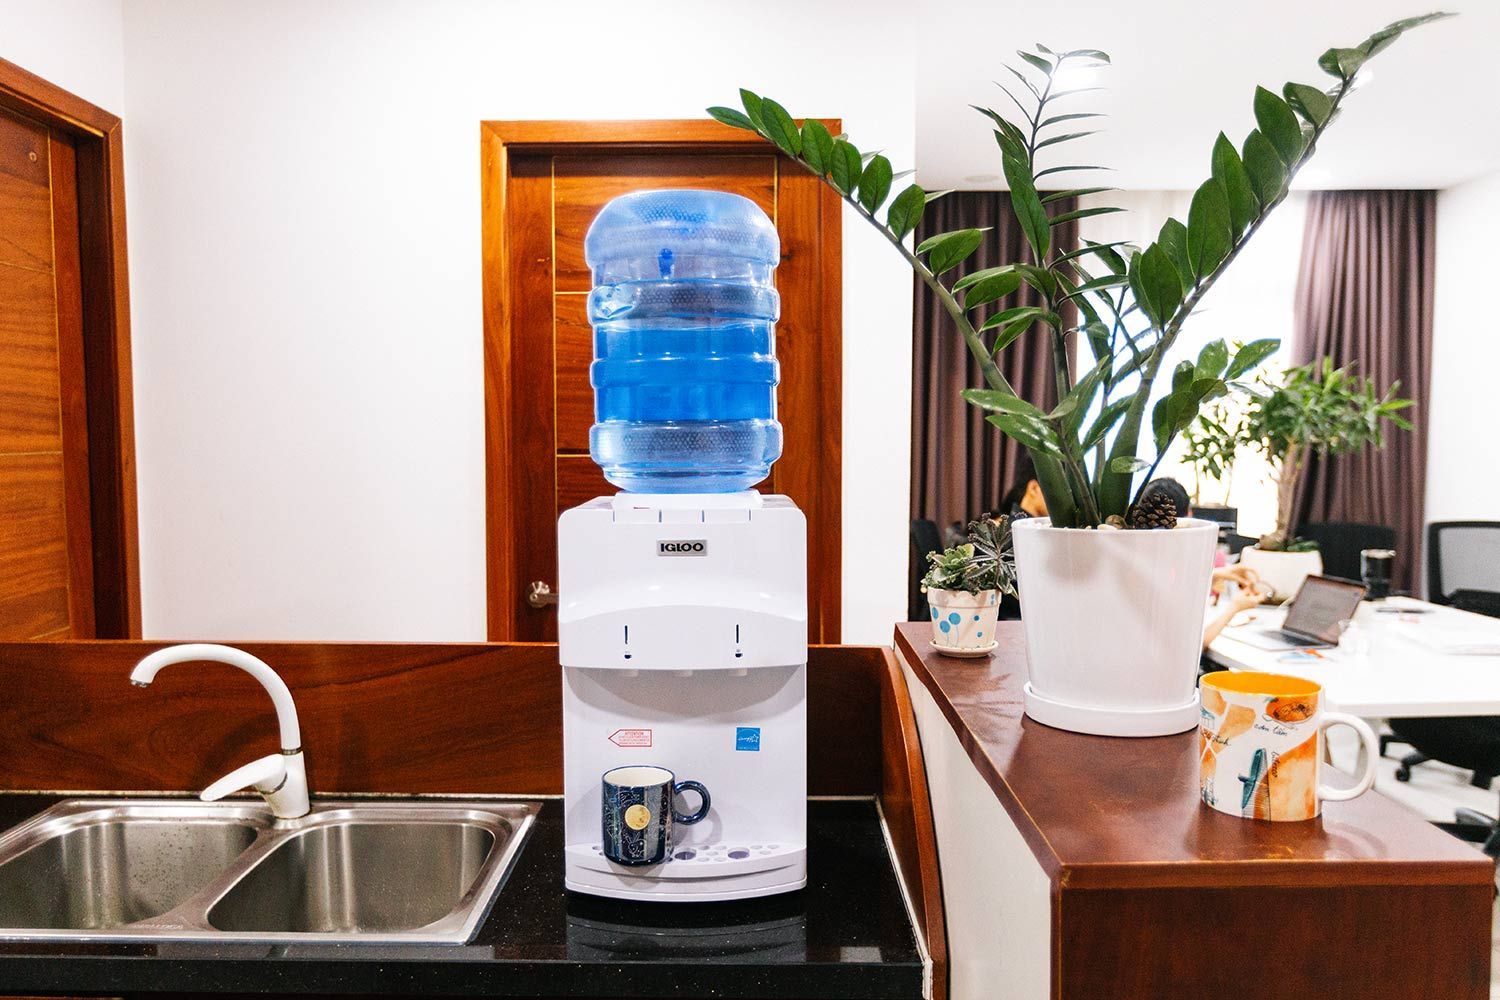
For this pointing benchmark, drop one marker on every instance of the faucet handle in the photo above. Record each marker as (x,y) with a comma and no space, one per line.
(280,777)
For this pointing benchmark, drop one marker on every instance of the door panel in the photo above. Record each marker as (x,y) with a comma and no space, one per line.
(539,199)
(46,558)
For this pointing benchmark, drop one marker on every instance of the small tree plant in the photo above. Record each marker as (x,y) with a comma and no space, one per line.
(1209,446)
(1316,409)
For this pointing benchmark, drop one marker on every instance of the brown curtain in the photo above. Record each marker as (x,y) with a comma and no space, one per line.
(1364,296)
(962,466)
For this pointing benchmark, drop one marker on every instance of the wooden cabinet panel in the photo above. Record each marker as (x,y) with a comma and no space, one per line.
(33,546)
(579,480)
(30,393)
(584,183)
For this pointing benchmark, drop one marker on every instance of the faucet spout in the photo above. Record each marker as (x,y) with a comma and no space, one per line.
(286,711)
(281,777)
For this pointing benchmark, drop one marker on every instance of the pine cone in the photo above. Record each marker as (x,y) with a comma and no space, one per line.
(1153,512)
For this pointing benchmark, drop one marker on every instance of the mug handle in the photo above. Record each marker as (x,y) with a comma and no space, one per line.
(1372,753)
(697,786)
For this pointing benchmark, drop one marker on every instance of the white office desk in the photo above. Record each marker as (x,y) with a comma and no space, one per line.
(1380,670)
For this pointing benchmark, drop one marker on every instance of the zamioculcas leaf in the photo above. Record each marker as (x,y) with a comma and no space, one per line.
(1208,228)
(1182,376)
(817,146)
(752,103)
(991,289)
(1309,102)
(1030,432)
(1127,463)
(729,116)
(1037,61)
(1385,36)
(1107,418)
(844,167)
(777,123)
(948,250)
(1076,116)
(906,211)
(1342,63)
(1028,207)
(1083,213)
(932,196)
(1069,137)
(1074,193)
(1000,402)
(1229,170)
(1263,164)
(1162,285)
(1005,317)
(975,277)
(1251,355)
(875,183)
(1279,124)
(1173,239)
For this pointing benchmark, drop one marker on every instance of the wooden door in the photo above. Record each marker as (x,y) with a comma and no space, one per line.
(543,183)
(46,552)
(68,557)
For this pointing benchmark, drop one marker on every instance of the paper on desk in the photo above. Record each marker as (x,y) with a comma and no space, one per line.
(1448,640)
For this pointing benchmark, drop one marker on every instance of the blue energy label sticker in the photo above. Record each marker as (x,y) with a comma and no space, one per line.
(747,738)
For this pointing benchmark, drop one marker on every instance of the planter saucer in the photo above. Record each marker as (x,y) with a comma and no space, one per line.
(1111,722)
(965,654)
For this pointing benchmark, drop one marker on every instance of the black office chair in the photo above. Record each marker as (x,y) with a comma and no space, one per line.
(1463,571)
(924,539)
(1239,543)
(1341,542)
(1471,742)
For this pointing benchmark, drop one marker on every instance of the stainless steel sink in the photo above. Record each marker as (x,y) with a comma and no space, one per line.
(151,869)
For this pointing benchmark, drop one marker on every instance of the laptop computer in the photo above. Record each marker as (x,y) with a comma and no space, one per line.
(1312,617)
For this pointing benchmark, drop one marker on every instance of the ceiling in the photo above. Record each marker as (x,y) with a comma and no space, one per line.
(1185,69)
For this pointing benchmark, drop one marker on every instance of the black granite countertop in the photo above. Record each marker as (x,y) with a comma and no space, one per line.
(846,935)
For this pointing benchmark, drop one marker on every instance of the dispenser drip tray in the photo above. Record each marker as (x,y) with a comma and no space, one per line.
(695,861)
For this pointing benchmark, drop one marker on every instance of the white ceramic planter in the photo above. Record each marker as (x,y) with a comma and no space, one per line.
(962,621)
(1114,625)
(1283,572)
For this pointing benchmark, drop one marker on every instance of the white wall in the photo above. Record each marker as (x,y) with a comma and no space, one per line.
(304,239)
(76,44)
(1463,477)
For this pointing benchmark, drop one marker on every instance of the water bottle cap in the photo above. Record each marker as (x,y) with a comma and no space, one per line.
(665,226)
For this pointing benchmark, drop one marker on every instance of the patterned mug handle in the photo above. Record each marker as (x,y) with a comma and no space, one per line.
(693,786)
(1372,754)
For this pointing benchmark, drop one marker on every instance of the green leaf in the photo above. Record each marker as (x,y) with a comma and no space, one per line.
(1379,41)
(1069,137)
(1157,285)
(844,167)
(1182,376)
(777,123)
(1008,316)
(991,289)
(1208,238)
(752,103)
(1107,418)
(1342,63)
(1000,401)
(1213,358)
(1229,170)
(1075,116)
(1263,164)
(1065,169)
(1030,432)
(1083,213)
(906,211)
(817,146)
(1125,464)
(729,116)
(1309,102)
(1173,240)
(1037,61)
(1028,207)
(932,196)
(1047,199)
(1250,356)
(948,250)
(875,183)
(1279,124)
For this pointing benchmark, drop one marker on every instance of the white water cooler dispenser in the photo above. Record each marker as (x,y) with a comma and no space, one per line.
(682,629)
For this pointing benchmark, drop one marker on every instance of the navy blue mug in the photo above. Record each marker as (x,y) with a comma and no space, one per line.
(639,811)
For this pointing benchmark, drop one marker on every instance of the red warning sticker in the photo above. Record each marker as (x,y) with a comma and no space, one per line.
(631,737)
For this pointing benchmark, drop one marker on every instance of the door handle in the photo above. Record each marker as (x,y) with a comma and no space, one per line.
(539,594)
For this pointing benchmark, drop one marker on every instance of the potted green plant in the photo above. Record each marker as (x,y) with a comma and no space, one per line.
(1209,445)
(1133,671)
(1315,409)
(963,586)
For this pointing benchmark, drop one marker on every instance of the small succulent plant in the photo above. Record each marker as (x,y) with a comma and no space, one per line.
(984,562)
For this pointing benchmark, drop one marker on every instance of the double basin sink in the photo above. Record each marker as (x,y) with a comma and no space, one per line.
(160,869)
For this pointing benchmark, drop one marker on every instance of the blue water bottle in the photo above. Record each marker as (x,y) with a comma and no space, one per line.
(684,315)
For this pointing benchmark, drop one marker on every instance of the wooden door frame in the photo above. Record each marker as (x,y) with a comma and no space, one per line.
(497,141)
(100,170)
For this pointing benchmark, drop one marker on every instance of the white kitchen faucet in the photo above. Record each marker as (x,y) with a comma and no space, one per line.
(280,777)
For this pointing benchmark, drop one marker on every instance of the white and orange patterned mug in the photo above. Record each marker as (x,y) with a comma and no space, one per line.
(1260,745)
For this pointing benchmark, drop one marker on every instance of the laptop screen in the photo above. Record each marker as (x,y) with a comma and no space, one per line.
(1320,605)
